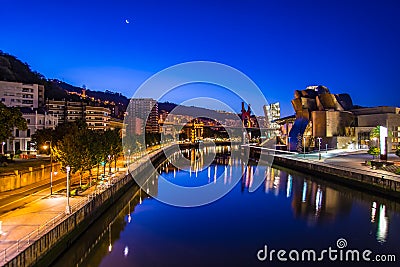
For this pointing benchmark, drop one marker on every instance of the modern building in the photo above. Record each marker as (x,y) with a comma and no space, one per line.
(272,114)
(320,114)
(332,118)
(96,117)
(14,94)
(369,118)
(194,130)
(37,119)
(145,109)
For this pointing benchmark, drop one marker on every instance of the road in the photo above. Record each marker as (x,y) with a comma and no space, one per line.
(12,200)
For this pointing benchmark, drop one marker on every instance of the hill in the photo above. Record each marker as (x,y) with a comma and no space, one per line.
(14,70)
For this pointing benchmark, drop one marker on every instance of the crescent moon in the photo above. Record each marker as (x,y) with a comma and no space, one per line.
(127,21)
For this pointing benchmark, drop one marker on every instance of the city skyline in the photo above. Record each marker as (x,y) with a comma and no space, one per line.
(350,47)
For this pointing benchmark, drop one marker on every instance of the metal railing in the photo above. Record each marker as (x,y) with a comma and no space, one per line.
(21,244)
(41,230)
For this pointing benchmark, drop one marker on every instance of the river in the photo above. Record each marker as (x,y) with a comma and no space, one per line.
(290,211)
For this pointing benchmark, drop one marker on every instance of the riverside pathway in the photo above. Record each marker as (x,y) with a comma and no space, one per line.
(23,225)
(351,159)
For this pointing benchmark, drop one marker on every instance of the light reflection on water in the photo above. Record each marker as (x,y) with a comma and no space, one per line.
(290,210)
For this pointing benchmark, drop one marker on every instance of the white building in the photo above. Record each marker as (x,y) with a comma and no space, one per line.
(14,94)
(96,117)
(36,119)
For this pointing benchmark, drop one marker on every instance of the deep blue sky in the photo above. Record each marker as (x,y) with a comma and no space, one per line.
(348,46)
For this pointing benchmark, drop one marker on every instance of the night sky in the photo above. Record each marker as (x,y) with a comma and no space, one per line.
(348,46)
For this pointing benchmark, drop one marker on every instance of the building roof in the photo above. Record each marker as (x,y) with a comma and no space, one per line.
(27,110)
(284,120)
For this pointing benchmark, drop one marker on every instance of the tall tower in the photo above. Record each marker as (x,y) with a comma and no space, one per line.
(145,109)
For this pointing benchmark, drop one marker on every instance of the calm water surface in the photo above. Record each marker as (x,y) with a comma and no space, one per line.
(289,211)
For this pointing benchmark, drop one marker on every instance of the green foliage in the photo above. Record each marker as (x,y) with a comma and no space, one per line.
(10,117)
(374,151)
(398,151)
(40,137)
(375,132)
(397,171)
(74,145)
(14,70)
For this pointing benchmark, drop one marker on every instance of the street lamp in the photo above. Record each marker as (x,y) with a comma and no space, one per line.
(51,165)
(109,165)
(304,146)
(68,207)
(319,147)
(2,147)
(289,143)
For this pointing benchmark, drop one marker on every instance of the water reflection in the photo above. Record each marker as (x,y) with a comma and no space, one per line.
(383,222)
(308,201)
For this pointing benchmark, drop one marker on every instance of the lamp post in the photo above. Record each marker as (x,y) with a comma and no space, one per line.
(2,147)
(304,146)
(319,147)
(129,157)
(68,207)
(109,165)
(51,166)
(289,143)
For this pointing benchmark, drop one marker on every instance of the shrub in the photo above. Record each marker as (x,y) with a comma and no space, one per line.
(374,151)
(397,171)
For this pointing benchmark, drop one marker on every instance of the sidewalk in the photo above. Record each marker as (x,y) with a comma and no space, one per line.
(349,159)
(24,225)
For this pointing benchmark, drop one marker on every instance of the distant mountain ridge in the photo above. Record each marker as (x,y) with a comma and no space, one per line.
(14,70)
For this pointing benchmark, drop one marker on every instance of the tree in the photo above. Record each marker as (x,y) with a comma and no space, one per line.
(10,117)
(40,137)
(398,151)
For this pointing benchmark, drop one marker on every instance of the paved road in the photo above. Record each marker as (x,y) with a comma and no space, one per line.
(18,198)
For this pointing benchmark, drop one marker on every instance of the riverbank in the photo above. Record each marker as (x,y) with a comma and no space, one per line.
(345,167)
(39,232)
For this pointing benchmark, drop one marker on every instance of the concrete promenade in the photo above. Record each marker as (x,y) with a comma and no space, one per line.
(30,221)
(350,159)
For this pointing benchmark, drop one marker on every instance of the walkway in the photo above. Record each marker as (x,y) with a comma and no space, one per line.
(27,223)
(350,159)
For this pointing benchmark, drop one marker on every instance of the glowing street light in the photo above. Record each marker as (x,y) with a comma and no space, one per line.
(319,147)
(51,165)
(68,207)
(304,146)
